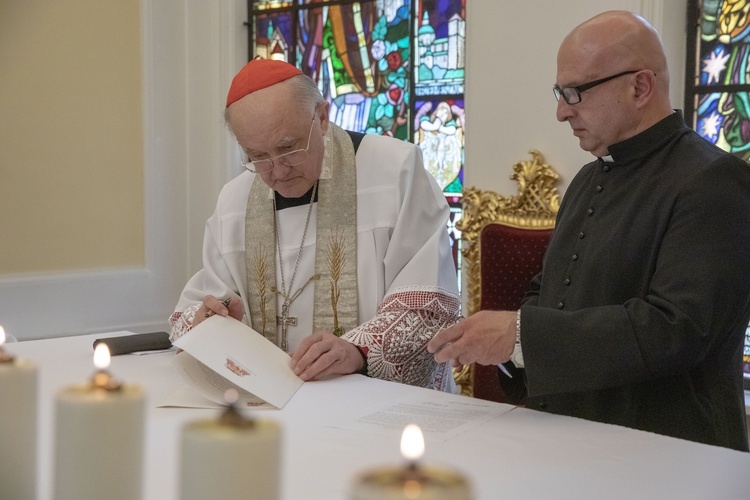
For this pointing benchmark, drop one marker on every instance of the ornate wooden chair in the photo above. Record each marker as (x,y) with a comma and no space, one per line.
(503,240)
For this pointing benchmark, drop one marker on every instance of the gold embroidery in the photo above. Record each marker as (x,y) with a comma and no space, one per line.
(262,278)
(336,259)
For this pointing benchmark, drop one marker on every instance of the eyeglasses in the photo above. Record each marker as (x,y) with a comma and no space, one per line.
(572,95)
(289,159)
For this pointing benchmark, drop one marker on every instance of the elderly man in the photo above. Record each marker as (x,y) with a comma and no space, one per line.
(638,315)
(333,244)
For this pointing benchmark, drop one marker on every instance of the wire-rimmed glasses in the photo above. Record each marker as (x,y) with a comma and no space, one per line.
(289,159)
(572,95)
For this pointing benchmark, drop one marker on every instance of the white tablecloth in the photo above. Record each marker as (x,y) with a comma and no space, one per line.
(516,454)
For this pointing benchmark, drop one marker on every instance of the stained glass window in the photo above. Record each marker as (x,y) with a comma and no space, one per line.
(717,87)
(392,67)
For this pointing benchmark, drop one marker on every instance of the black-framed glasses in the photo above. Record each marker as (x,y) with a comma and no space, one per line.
(572,95)
(290,159)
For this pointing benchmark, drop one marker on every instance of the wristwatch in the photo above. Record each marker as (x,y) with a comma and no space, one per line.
(517,356)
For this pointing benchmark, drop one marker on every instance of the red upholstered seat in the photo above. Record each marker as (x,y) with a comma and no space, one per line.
(509,258)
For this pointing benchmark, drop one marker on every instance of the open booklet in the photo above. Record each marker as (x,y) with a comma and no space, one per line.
(222,353)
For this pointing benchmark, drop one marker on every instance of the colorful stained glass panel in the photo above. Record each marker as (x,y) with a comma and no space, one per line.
(723,118)
(720,99)
(359,55)
(723,65)
(439,132)
(440,28)
(273,36)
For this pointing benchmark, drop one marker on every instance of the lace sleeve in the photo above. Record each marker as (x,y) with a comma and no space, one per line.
(396,338)
(180,322)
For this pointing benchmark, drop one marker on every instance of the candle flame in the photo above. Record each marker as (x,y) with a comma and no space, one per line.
(101,356)
(2,335)
(412,442)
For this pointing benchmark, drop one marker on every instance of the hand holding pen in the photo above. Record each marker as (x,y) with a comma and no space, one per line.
(231,306)
(487,338)
(211,311)
(500,365)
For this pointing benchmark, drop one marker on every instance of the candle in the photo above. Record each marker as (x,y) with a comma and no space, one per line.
(231,457)
(413,481)
(99,437)
(18,418)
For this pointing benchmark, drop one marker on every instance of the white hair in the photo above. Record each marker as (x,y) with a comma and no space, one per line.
(304,91)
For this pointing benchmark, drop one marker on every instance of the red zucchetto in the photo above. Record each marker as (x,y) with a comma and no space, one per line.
(259,74)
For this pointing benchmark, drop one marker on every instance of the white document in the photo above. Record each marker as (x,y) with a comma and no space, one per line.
(439,418)
(222,353)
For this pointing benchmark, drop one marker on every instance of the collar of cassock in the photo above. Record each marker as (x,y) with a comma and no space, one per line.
(650,140)
(282,202)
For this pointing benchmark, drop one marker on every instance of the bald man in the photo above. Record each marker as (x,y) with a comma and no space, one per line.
(639,314)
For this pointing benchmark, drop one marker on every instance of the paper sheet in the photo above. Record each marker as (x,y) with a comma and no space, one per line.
(439,418)
(222,353)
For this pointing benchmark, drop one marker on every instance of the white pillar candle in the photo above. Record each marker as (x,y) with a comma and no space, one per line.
(231,457)
(99,438)
(412,481)
(18,420)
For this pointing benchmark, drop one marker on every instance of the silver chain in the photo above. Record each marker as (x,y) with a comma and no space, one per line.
(284,292)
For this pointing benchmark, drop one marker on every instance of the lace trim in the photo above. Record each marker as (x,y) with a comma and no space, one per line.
(396,338)
(181,322)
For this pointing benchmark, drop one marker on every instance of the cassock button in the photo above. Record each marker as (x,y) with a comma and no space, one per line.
(599,188)
(606,168)
(581,235)
(575,256)
(543,405)
(590,211)
(567,281)
(560,304)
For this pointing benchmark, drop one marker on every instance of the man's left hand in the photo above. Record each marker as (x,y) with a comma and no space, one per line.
(322,354)
(487,338)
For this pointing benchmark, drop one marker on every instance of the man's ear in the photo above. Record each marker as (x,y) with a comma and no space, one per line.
(323,110)
(645,87)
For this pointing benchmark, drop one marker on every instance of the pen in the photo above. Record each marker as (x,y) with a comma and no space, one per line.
(225,302)
(504,370)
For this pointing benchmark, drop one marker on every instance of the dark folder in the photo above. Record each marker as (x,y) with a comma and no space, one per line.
(136,343)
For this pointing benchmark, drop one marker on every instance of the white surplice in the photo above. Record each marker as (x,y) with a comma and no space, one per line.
(405,272)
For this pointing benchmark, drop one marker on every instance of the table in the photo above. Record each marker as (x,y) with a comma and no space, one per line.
(519,453)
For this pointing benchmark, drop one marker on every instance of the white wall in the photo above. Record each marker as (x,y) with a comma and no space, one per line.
(511,63)
(191,50)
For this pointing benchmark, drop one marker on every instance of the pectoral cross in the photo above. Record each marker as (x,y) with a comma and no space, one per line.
(284,320)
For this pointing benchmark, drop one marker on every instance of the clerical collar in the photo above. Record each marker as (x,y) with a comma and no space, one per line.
(607,159)
(650,140)
(282,202)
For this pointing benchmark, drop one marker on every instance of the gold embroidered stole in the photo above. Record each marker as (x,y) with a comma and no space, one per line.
(337,216)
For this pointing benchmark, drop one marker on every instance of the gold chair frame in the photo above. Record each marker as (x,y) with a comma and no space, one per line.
(535,206)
